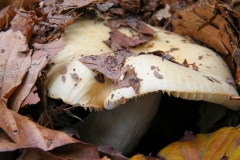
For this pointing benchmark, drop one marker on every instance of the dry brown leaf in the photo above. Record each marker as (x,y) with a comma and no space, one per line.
(25,24)
(218,34)
(15,60)
(74,151)
(212,22)
(18,131)
(9,13)
(76,3)
(3,11)
(107,151)
(119,41)
(222,144)
(42,54)
(32,97)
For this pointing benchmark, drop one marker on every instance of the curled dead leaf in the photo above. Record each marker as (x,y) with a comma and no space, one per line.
(41,56)
(18,131)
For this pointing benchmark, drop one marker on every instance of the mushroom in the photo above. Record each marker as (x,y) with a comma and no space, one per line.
(180,68)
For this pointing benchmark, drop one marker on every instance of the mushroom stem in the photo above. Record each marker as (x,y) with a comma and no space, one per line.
(123,127)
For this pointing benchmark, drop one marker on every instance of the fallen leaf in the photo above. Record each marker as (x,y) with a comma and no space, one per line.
(148,8)
(108,64)
(15,60)
(188,18)
(221,144)
(74,151)
(111,66)
(130,6)
(76,3)
(110,153)
(104,6)
(3,10)
(20,132)
(217,27)
(119,41)
(41,56)
(142,157)
(130,79)
(32,97)
(132,22)
(25,24)
(9,12)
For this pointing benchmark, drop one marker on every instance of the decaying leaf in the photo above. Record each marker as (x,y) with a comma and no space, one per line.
(217,27)
(15,60)
(217,34)
(32,97)
(18,131)
(42,54)
(118,40)
(74,151)
(222,144)
(110,153)
(9,12)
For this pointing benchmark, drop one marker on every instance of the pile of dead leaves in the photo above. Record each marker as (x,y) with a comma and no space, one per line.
(30,36)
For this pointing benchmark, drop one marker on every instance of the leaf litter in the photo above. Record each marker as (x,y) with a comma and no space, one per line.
(42,54)
(212,22)
(224,143)
(15,60)
(40,26)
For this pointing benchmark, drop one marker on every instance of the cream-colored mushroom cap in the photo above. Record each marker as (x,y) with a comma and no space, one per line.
(85,37)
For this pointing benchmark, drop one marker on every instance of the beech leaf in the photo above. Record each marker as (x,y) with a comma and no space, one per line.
(224,143)
(39,59)
(109,152)
(217,27)
(78,3)
(15,60)
(9,10)
(20,132)
(74,151)
(32,97)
